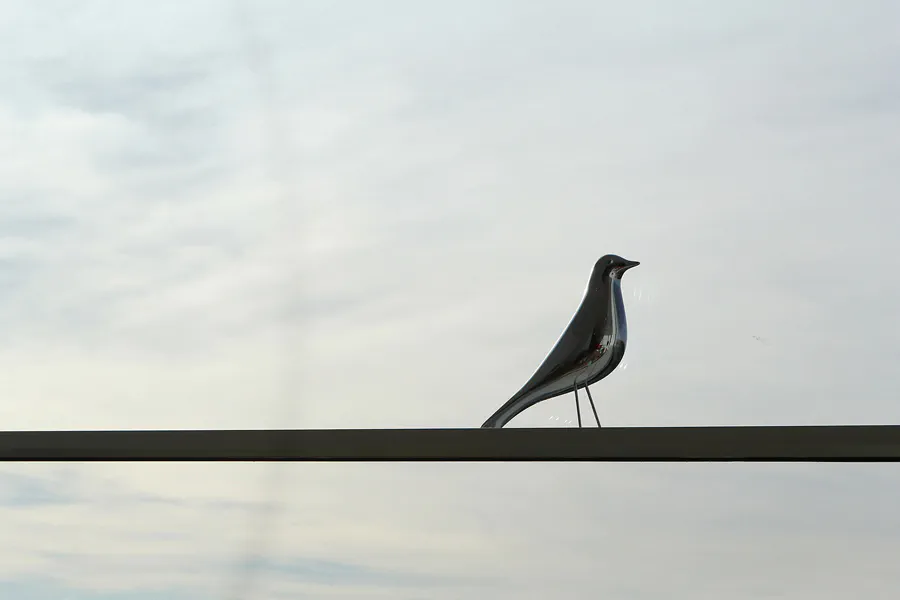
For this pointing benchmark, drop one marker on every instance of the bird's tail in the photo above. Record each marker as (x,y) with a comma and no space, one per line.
(493,422)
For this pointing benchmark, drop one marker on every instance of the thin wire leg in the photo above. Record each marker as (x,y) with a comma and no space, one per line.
(577,406)
(594,408)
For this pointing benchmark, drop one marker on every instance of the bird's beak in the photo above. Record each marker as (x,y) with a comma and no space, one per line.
(629,264)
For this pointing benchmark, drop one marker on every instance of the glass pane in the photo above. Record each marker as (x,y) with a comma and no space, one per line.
(107,531)
(358,214)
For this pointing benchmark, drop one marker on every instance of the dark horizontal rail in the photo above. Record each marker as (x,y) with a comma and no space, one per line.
(845,443)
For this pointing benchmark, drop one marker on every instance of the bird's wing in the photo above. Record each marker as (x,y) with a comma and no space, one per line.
(561,355)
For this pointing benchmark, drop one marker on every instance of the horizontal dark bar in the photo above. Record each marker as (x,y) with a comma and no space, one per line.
(852,443)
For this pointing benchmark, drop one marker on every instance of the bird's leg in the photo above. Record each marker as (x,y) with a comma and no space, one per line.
(577,407)
(594,408)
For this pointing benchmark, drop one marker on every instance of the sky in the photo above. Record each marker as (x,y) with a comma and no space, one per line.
(319,215)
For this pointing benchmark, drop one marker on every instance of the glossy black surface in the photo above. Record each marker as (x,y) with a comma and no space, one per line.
(588,350)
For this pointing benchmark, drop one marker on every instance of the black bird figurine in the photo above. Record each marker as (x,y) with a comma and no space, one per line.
(589,349)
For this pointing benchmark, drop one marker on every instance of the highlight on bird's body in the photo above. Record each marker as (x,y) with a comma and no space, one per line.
(589,349)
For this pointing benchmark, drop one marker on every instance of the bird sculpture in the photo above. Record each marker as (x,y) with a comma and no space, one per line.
(588,350)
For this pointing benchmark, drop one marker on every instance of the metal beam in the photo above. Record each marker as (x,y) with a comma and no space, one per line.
(846,443)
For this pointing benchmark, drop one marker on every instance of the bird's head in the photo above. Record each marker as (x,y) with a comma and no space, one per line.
(613,266)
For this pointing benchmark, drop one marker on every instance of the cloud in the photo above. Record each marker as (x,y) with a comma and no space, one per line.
(21,490)
(42,589)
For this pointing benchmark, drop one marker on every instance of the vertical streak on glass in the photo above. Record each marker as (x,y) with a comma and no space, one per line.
(277,154)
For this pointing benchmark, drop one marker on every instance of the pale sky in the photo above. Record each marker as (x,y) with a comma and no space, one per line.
(360,214)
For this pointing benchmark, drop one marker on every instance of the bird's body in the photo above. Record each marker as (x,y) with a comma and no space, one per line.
(588,350)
